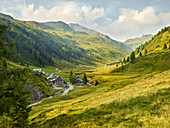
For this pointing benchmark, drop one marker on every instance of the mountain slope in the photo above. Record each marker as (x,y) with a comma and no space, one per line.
(78,28)
(125,99)
(153,62)
(136,95)
(152,56)
(156,43)
(54,43)
(59,25)
(134,43)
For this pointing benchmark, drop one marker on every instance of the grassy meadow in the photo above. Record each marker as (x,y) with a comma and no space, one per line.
(122,99)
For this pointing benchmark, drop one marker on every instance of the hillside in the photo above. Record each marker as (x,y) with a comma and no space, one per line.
(134,43)
(19,86)
(81,29)
(124,99)
(156,43)
(153,62)
(59,26)
(56,44)
(135,95)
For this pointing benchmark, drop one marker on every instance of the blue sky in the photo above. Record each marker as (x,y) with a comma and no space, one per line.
(120,19)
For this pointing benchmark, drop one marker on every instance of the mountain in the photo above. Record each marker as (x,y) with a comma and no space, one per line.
(134,43)
(78,28)
(59,25)
(133,95)
(152,56)
(156,43)
(58,44)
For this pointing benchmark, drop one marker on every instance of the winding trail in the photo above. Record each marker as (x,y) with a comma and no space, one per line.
(52,74)
(34,104)
(69,89)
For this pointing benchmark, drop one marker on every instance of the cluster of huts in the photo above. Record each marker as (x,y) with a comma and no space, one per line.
(58,80)
(40,71)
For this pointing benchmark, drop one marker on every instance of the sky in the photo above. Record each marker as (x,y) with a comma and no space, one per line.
(119,19)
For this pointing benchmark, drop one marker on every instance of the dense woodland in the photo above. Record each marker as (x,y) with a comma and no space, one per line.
(14,97)
(54,44)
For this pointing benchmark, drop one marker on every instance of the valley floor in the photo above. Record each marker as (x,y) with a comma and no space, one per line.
(120,100)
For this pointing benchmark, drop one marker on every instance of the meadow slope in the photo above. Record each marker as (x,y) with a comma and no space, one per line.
(140,102)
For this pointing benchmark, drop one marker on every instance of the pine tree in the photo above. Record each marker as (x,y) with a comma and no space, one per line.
(4,48)
(122,66)
(165,46)
(71,76)
(128,59)
(124,61)
(13,95)
(4,63)
(85,79)
(96,83)
(72,79)
(140,54)
(146,51)
(132,57)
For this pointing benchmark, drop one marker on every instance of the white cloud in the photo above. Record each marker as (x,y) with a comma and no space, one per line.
(132,23)
(91,15)
(65,11)
(11,7)
(165,17)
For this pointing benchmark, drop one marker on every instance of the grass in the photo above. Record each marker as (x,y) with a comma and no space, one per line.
(122,98)
(124,106)
(153,62)
(139,102)
(46,70)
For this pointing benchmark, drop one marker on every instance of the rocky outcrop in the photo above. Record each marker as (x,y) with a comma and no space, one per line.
(35,92)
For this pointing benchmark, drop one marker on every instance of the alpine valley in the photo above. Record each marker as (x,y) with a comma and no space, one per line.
(58,75)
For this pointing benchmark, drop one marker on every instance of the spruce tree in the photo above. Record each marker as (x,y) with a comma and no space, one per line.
(4,63)
(165,46)
(132,57)
(85,79)
(71,76)
(96,83)
(72,79)
(124,61)
(13,96)
(146,51)
(128,59)
(140,54)
(122,66)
